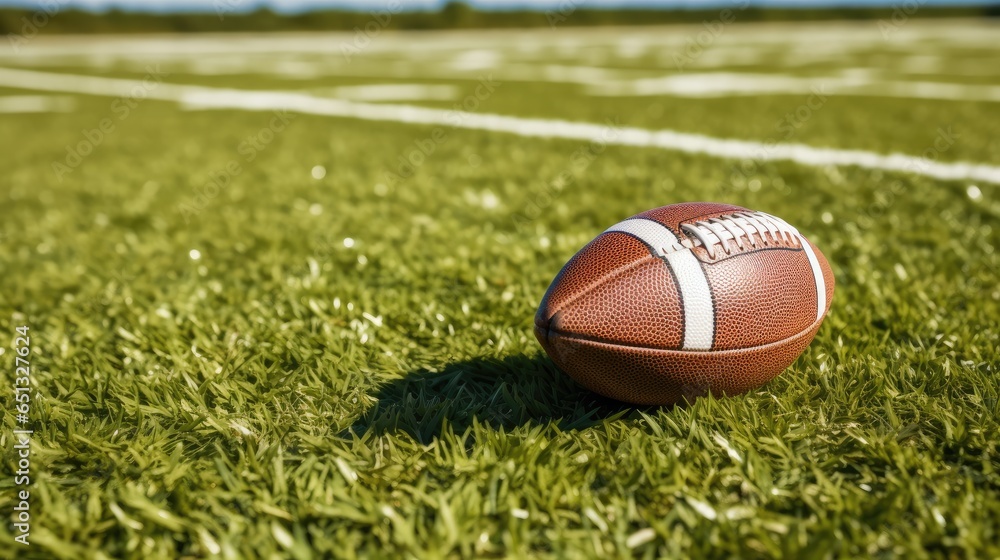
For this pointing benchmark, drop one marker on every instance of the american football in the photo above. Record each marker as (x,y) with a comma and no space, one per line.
(685,299)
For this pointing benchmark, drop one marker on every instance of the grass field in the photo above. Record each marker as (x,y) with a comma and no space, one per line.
(268,333)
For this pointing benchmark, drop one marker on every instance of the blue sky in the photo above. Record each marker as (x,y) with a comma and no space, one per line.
(363,5)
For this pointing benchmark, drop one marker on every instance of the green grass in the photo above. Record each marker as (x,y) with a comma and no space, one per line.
(286,395)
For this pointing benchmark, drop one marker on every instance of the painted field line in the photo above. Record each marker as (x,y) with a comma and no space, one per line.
(734,84)
(36,104)
(200,96)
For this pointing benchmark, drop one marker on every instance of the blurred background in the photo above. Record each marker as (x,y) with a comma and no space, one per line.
(131,16)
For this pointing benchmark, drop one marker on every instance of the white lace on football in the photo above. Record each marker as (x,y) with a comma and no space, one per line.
(740,228)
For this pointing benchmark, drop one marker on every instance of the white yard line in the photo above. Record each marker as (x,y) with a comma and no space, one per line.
(830,37)
(541,128)
(36,104)
(395,92)
(726,84)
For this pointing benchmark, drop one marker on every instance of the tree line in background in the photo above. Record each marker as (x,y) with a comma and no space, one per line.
(452,16)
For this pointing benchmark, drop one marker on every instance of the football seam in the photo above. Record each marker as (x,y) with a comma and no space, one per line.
(590,287)
(549,333)
(696,226)
(658,255)
(742,253)
(653,256)
(715,308)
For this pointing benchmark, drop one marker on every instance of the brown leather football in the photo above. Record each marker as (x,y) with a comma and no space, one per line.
(685,299)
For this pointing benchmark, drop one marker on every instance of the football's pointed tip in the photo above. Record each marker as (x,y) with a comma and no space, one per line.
(546,318)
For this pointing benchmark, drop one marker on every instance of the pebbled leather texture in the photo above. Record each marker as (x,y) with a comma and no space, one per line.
(637,324)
